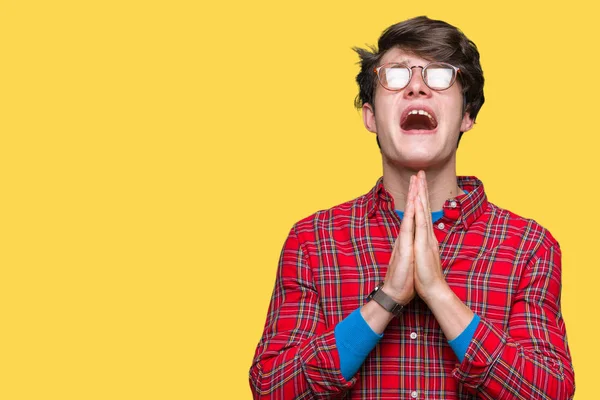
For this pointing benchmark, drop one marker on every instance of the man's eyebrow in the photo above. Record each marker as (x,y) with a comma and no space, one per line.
(401,62)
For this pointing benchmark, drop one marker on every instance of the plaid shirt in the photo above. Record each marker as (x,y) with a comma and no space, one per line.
(507,269)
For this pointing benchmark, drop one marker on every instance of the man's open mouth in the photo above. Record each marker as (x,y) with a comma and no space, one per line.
(418,120)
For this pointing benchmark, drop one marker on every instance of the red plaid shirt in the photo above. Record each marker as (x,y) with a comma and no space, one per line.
(507,269)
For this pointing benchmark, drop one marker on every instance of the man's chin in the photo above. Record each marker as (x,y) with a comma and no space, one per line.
(416,163)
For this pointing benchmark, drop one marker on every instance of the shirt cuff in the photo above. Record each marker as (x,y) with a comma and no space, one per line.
(461,342)
(354,339)
(486,347)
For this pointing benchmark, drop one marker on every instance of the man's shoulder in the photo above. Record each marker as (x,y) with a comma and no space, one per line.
(339,216)
(514,224)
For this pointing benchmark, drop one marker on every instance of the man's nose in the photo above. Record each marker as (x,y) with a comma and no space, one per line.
(417,87)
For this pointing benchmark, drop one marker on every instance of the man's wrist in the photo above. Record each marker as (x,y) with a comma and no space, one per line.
(376,316)
(451,313)
(384,300)
(437,294)
(398,298)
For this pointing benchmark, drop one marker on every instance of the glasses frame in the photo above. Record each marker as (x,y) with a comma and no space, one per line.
(410,70)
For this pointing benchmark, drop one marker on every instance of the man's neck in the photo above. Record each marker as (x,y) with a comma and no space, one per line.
(441,182)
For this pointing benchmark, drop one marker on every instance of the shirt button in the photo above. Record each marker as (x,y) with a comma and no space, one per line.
(453,204)
(414,394)
(413,335)
(441,225)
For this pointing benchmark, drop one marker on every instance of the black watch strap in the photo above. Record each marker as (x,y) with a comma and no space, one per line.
(385,301)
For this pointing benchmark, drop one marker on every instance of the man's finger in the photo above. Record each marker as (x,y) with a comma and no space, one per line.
(428,214)
(407,228)
(421,227)
(423,203)
(424,193)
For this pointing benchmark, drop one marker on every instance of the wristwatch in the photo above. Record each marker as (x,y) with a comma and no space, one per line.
(385,301)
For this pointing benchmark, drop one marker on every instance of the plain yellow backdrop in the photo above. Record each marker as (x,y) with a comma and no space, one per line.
(155,154)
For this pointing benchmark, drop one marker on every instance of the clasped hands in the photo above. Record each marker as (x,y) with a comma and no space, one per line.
(414,266)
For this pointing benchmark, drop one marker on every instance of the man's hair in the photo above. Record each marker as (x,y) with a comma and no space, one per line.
(432,40)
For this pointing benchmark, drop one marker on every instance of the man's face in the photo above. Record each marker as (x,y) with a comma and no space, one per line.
(416,141)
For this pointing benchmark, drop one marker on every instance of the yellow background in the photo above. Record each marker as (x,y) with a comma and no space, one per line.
(154,155)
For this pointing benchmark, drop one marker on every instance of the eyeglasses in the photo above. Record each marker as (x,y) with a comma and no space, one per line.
(436,75)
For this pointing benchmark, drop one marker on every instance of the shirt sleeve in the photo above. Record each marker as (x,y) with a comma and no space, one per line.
(297,355)
(460,344)
(354,339)
(531,358)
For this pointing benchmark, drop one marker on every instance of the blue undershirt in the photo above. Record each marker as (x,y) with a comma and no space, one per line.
(355,339)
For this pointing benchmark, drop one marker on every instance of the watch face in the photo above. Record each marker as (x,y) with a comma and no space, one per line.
(377,288)
(370,296)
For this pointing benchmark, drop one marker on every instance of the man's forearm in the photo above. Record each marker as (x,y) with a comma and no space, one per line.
(498,355)
(296,356)
(451,313)
(376,316)
(305,370)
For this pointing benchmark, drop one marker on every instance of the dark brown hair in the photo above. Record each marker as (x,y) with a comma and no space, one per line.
(432,40)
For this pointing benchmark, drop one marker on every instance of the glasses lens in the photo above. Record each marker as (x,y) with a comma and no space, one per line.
(395,77)
(439,76)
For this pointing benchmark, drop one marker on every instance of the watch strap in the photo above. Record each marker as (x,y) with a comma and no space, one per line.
(385,301)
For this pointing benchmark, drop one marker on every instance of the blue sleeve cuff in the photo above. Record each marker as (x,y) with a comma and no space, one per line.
(461,342)
(354,339)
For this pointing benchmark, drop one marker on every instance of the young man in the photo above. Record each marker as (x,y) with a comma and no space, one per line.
(381,298)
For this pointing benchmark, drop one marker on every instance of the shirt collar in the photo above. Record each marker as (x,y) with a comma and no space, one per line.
(466,209)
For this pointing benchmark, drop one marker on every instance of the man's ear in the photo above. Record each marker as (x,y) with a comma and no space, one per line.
(369,118)
(467,122)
